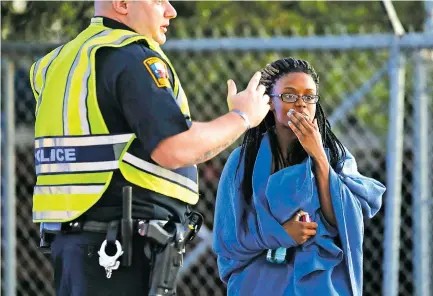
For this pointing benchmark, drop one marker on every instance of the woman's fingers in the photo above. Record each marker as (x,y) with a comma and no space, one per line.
(298,215)
(301,121)
(310,225)
(309,232)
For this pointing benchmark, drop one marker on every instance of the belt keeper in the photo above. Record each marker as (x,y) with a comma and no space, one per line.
(112,230)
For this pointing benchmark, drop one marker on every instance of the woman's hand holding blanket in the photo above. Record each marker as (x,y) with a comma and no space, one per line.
(300,231)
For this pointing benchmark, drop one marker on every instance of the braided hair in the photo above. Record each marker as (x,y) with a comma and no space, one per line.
(296,153)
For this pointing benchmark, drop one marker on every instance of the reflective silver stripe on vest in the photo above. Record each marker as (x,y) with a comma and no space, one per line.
(45,69)
(160,171)
(44,76)
(82,141)
(55,215)
(180,96)
(77,167)
(68,81)
(85,125)
(69,189)
(35,71)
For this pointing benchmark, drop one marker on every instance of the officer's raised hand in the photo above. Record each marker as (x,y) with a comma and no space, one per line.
(204,140)
(252,101)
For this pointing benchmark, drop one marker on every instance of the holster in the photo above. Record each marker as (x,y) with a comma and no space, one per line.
(165,244)
(47,232)
(167,258)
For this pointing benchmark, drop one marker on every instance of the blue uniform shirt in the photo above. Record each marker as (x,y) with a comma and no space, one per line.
(130,101)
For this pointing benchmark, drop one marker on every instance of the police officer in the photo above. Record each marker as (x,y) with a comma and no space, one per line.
(111,112)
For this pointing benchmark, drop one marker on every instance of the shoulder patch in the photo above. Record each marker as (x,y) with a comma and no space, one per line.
(158,70)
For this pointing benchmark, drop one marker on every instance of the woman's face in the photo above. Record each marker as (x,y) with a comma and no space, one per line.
(297,83)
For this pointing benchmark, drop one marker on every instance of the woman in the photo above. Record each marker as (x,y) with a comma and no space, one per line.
(290,165)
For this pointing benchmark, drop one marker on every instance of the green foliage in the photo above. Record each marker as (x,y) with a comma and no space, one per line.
(62,20)
(342,73)
(45,21)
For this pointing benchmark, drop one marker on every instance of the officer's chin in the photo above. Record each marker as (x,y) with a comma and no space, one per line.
(161,39)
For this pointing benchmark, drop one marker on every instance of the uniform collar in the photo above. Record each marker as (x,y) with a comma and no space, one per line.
(109,23)
(112,24)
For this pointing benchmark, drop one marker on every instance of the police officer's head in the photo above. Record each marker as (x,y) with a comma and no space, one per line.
(147,17)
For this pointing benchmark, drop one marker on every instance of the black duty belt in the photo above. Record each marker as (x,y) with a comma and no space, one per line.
(165,245)
(141,226)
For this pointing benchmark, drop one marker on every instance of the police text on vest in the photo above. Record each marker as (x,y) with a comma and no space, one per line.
(56,155)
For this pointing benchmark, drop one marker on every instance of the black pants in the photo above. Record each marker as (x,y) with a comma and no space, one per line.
(77,271)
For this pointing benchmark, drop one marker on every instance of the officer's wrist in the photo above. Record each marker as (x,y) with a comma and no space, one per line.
(244,117)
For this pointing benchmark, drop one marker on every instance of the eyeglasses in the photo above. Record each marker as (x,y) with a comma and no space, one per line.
(292,98)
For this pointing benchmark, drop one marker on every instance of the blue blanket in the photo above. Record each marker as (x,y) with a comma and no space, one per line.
(330,263)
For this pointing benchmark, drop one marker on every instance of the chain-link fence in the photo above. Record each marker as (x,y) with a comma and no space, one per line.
(357,94)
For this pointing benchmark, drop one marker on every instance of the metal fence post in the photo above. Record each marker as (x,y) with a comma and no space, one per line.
(421,210)
(34,271)
(394,163)
(9,193)
(421,229)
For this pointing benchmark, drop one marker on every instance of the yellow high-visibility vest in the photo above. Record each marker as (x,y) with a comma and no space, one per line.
(75,155)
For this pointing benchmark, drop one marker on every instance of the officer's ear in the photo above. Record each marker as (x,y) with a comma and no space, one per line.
(120,6)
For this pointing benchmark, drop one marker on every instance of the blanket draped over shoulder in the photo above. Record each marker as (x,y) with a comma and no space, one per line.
(330,263)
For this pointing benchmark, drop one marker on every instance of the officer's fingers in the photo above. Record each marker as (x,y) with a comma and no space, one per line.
(254,82)
(261,90)
(232,89)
